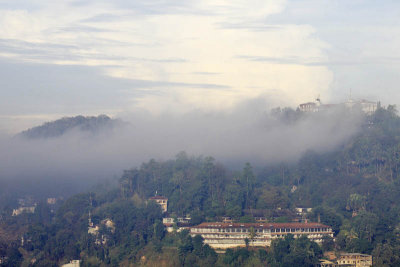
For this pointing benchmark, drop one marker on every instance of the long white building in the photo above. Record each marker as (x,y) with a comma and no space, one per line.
(228,235)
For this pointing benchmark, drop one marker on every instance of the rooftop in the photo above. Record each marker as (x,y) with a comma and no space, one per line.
(355,254)
(260,225)
(159,197)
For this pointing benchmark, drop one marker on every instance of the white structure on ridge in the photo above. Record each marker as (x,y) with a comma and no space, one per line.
(368,107)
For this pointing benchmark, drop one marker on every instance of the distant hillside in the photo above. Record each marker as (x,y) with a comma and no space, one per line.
(91,124)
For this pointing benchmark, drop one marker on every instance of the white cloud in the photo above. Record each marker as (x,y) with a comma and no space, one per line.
(171,42)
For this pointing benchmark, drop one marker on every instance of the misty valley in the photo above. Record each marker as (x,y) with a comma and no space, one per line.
(200,133)
(314,187)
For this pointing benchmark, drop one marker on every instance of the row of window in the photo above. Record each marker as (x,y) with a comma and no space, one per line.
(227,230)
(304,230)
(224,236)
(316,238)
(246,230)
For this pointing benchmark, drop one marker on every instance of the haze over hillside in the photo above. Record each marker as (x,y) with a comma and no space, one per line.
(227,108)
(351,187)
(89,124)
(80,151)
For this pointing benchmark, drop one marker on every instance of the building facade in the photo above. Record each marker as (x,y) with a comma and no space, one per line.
(368,107)
(73,263)
(21,210)
(180,222)
(169,221)
(228,235)
(162,201)
(308,107)
(355,259)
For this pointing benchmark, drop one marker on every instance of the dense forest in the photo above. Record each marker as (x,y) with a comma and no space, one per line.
(354,189)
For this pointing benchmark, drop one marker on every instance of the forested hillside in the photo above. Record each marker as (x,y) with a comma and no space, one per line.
(355,189)
(62,126)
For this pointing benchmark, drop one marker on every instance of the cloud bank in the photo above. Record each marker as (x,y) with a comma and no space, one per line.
(247,133)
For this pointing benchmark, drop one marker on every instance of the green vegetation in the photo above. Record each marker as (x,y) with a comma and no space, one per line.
(353,189)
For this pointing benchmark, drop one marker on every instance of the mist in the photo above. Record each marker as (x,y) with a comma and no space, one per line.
(248,133)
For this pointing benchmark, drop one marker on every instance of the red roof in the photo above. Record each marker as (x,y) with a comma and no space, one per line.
(158,197)
(260,225)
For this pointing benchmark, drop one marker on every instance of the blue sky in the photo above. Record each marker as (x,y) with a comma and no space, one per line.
(61,58)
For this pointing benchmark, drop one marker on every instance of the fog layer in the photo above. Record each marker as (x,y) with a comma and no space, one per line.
(250,133)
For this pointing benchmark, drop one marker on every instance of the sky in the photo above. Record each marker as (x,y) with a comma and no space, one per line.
(63,58)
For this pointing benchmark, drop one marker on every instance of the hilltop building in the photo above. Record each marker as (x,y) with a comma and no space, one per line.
(368,107)
(221,235)
(309,107)
(162,201)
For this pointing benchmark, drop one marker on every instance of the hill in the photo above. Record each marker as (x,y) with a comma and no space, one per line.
(89,124)
(353,189)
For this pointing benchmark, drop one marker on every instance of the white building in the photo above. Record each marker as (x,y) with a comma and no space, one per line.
(303,211)
(109,224)
(162,201)
(168,221)
(181,223)
(355,259)
(93,230)
(228,235)
(368,107)
(309,107)
(21,210)
(73,263)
